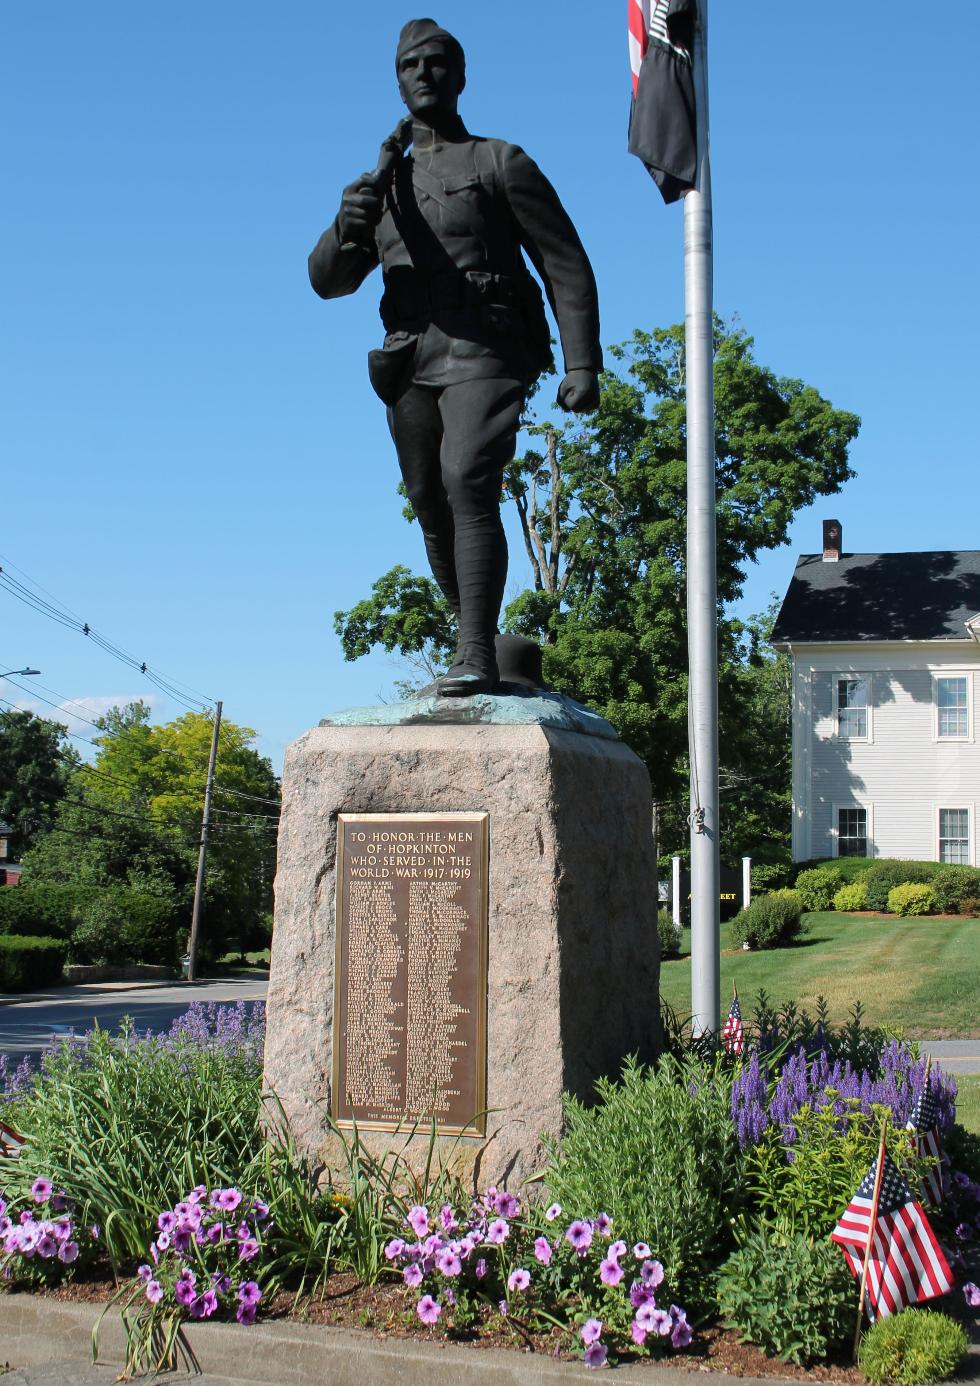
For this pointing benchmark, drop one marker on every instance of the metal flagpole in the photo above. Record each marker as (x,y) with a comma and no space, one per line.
(702,635)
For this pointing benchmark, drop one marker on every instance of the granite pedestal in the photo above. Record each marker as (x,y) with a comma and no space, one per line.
(573,958)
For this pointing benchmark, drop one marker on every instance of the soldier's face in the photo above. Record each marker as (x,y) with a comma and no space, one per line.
(430,79)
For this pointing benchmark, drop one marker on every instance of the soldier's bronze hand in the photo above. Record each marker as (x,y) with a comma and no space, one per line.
(579,392)
(361,208)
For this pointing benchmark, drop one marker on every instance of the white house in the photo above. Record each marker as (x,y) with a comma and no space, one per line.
(885,652)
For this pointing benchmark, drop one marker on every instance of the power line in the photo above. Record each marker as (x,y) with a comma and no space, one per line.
(257,798)
(235,813)
(58,611)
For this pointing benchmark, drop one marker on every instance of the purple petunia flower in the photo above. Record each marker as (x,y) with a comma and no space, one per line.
(682,1334)
(412,1275)
(506,1205)
(166,1222)
(610,1272)
(248,1249)
(394,1249)
(68,1252)
(428,1310)
(249,1292)
(227,1199)
(638,1334)
(652,1274)
(154,1291)
(480,1269)
(964,1231)
(497,1231)
(447,1219)
(145,1273)
(660,1323)
(579,1234)
(641,1294)
(617,1250)
(46,1246)
(591,1331)
(972,1294)
(603,1225)
(502,1308)
(542,1250)
(595,1355)
(519,1279)
(447,1262)
(418,1221)
(246,1313)
(184,1292)
(553,1212)
(41,1189)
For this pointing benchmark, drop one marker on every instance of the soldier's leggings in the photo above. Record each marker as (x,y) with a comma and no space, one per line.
(453,444)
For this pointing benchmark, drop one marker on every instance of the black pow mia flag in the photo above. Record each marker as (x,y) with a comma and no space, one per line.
(663,124)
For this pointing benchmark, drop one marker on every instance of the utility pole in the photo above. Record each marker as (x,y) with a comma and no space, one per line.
(702,609)
(203,853)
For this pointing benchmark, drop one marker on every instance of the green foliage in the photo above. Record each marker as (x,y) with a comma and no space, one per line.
(35,762)
(26,963)
(818,886)
(790,1295)
(771,876)
(912,1348)
(851,898)
(831,1155)
(670,943)
(951,885)
(908,900)
(601,504)
(769,921)
(657,1152)
(883,875)
(850,868)
(133,820)
(121,927)
(43,910)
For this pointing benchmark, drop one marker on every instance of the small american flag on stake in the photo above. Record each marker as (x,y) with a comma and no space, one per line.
(733,1035)
(925,1137)
(889,1245)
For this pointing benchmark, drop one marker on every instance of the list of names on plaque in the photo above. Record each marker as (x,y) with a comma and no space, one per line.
(409,1032)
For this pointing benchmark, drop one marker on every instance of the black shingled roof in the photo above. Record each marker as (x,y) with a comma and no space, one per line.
(881,596)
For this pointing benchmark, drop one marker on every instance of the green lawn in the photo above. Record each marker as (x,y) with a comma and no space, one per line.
(920,975)
(968,1101)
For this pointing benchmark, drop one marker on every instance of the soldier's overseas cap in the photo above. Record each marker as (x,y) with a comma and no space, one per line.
(419,31)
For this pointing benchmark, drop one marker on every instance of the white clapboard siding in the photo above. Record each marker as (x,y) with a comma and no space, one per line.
(902,774)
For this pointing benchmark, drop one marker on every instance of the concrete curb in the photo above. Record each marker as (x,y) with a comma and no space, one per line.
(37,1332)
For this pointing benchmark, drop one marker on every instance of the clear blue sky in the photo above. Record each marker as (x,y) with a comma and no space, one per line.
(191,455)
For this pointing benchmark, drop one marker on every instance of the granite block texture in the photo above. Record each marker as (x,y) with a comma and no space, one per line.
(573,953)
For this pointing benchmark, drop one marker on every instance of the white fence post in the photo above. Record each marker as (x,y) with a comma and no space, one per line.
(675,892)
(746,882)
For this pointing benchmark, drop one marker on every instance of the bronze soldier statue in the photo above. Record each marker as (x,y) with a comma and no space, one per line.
(447,215)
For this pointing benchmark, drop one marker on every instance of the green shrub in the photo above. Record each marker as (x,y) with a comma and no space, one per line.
(659,1153)
(817,887)
(26,963)
(851,897)
(670,939)
(44,910)
(880,878)
(970,908)
(121,927)
(790,1295)
(769,921)
(951,885)
(771,876)
(912,1348)
(907,899)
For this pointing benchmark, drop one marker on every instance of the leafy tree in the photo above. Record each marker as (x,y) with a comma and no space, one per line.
(602,511)
(134,817)
(35,763)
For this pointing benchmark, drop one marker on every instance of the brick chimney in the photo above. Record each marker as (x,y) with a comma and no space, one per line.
(832,536)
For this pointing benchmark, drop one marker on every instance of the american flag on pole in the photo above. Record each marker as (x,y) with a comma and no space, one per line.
(663,126)
(906,1264)
(733,1035)
(925,1134)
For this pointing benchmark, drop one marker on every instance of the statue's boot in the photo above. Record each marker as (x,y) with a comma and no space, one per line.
(481,572)
(477,673)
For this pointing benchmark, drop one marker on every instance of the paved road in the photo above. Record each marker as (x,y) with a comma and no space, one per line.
(955,1056)
(27,1025)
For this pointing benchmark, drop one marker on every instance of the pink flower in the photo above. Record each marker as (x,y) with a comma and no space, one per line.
(595,1355)
(518,1279)
(579,1234)
(394,1249)
(651,1273)
(616,1250)
(610,1272)
(603,1225)
(553,1212)
(682,1334)
(245,1313)
(41,1189)
(642,1252)
(447,1262)
(638,1334)
(497,1231)
(418,1221)
(228,1199)
(412,1275)
(506,1205)
(591,1331)
(972,1294)
(154,1291)
(249,1292)
(428,1310)
(641,1294)
(542,1250)
(68,1252)
(447,1221)
(480,1269)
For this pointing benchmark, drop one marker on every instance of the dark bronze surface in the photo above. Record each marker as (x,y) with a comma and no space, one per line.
(411,974)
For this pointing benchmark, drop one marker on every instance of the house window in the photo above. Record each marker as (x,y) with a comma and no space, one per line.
(953,708)
(852,709)
(852,832)
(954,836)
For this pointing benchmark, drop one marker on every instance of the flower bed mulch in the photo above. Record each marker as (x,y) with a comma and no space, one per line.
(383,1310)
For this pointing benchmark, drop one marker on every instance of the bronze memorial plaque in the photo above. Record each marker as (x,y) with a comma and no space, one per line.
(410,1012)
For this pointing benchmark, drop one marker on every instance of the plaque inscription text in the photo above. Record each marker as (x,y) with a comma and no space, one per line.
(410,1013)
